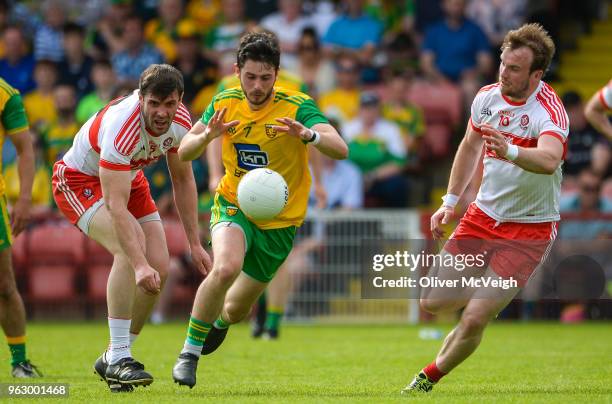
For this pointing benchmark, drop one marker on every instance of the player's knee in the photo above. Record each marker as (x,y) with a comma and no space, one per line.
(473,324)
(434,306)
(235,312)
(225,272)
(7,289)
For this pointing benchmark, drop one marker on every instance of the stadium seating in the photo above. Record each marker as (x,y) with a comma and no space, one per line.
(178,245)
(99,262)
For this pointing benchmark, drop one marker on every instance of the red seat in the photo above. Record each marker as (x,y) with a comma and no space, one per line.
(436,141)
(97,278)
(57,243)
(96,254)
(52,282)
(441,103)
(176,238)
(19,253)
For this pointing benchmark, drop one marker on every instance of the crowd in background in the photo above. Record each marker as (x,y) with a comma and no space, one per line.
(362,60)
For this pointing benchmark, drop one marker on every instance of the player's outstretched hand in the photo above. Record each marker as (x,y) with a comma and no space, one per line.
(201,259)
(148,280)
(494,140)
(293,128)
(216,125)
(441,217)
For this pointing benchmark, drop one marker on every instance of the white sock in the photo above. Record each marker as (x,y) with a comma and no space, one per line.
(192,349)
(133,338)
(119,339)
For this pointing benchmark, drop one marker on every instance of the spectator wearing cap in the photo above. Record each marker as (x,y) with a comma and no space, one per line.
(136,53)
(162,32)
(75,67)
(342,102)
(198,71)
(376,147)
(586,148)
(17,66)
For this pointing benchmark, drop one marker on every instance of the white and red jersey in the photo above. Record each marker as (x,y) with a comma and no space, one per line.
(509,193)
(116,139)
(605,95)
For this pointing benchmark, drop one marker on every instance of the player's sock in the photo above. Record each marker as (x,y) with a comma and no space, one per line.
(119,347)
(133,337)
(432,372)
(273,317)
(17,346)
(221,324)
(196,334)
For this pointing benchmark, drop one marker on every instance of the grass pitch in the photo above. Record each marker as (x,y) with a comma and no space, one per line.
(519,363)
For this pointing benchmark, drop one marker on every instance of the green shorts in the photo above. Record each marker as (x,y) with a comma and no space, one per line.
(6,237)
(266,250)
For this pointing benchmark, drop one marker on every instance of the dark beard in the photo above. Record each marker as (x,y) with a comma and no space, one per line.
(266,98)
(519,94)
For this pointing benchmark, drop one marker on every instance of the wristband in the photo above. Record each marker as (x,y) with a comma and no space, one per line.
(450,200)
(512,152)
(315,138)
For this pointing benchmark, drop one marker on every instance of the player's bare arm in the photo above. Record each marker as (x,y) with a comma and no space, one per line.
(596,114)
(25,168)
(195,141)
(185,197)
(116,187)
(330,142)
(215,164)
(543,159)
(464,166)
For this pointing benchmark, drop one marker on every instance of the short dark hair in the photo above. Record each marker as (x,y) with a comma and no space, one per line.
(536,38)
(259,47)
(161,80)
(73,28)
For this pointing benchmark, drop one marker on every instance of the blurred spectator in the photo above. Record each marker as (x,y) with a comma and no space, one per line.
(406,115)
(355,32)
(322,15)
(198,71)
(224,38)
(396,16)
(402,54)
(376,147)
(106,38)
(288,25)
(162,32)
(59,134)
(17,66)
(48,42)
(427,13)
(203,12)
(5,11)
(316,70)
(75,67)
(586,148)
(137,54)
(497,17)
(342,102)
(457,49)
(40,103)
(41,187)
(104,81)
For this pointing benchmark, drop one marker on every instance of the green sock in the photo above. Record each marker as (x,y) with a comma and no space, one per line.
(17,347)
(197,331)
(220,324)
(273,317)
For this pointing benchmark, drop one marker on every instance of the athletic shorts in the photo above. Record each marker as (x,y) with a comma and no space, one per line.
(79,195)
(266,250)
(6,237)
(511,249)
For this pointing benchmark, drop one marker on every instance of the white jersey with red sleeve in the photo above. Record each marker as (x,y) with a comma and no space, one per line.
(116,139)
(605,95)
(509,193)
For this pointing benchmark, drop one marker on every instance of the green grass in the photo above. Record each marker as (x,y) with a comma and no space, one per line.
(516,363)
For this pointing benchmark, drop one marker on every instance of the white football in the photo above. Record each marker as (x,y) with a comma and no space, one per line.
(262,194)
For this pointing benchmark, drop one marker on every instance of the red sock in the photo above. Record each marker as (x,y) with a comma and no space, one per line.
(432,372)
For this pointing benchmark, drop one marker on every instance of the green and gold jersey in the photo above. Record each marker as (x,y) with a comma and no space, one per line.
(254,143)
(12,117)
